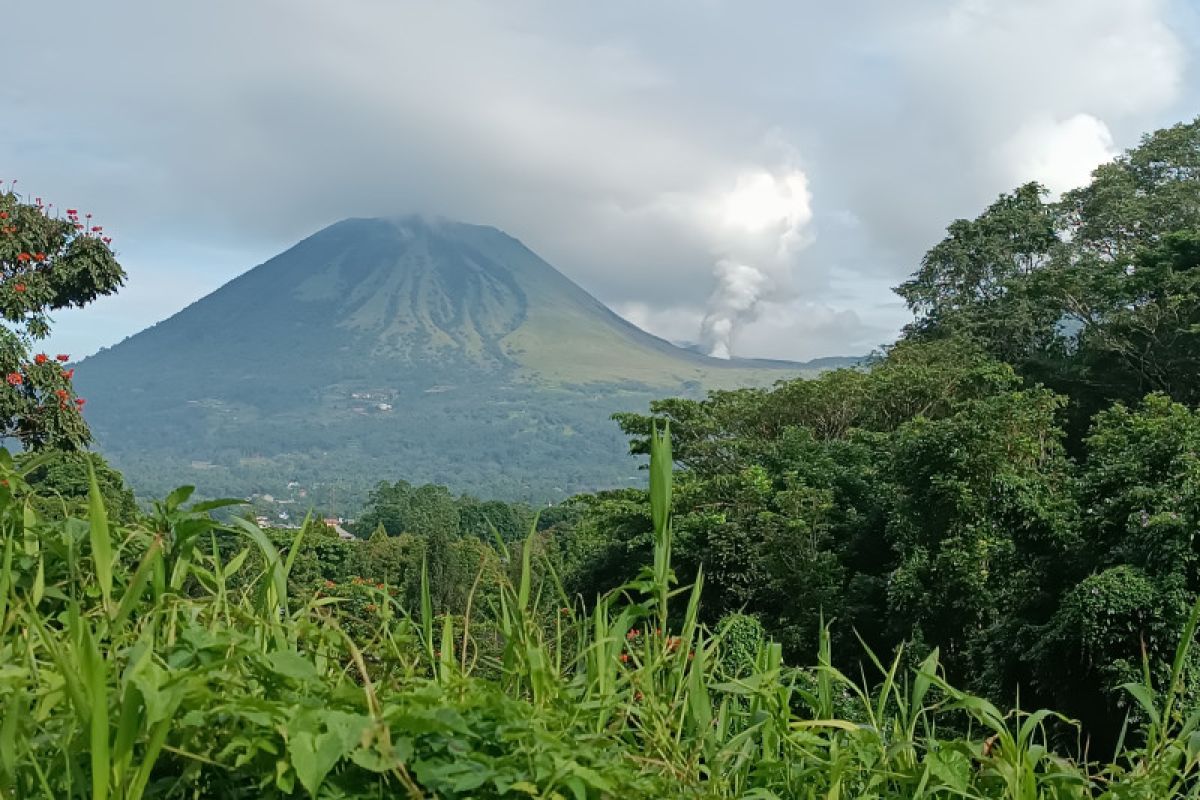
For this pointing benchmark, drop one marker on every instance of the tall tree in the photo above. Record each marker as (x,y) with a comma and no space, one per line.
(1095,294)
(48,261)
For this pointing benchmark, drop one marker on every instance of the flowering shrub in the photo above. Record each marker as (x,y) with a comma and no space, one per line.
(49,260)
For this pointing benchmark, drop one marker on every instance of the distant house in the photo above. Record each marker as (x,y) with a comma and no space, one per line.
(336,524)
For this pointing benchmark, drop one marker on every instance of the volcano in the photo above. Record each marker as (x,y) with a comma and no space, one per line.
(380,349)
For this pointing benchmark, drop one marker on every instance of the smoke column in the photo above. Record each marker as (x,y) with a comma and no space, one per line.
(733,302)
(762,226)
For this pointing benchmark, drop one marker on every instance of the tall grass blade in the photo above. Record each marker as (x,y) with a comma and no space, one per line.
(101,539)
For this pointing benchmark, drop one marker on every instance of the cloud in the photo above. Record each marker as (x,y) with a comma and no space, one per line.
(1059,155)
(605,137)
(763,223)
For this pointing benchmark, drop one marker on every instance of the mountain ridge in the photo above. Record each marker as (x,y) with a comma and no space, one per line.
(387,343)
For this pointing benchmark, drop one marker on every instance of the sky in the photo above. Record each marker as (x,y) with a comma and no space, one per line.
(754,176)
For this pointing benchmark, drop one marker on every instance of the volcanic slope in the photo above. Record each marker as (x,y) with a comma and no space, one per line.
(380,349)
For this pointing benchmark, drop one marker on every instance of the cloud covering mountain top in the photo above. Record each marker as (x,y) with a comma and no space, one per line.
(641,148)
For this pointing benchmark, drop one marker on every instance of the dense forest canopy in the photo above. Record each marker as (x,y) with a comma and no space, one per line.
(1015,482)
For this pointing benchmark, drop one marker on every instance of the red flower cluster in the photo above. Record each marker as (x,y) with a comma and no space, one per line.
(15,379)
(20,287)
(40,358)
(63,357)
(79,401)
(3,215)
(23,257)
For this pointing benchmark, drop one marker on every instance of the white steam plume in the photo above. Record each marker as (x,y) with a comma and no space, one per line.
(733,302)
(762,226)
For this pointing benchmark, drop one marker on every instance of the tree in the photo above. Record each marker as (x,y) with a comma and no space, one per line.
(47,262)
(974,282)
(403,508)
(62,483)
(1095,295)
(983,529)
(1140,501)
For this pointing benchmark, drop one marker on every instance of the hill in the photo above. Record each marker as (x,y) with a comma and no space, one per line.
(390,348)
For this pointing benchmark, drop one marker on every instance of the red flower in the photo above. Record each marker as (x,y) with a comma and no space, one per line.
(63,357)
(106,239)
(15,379)
(97,228)
(61,394)
(70,373)
(72,212)
(40,358)
(79,401)
(39,256)
(624,658)
(20,287)
(23,257)
(78,227)
(3,215)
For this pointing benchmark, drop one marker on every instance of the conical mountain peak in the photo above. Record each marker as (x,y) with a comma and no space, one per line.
(391,347)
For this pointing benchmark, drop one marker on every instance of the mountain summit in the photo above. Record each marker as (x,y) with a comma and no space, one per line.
(390,348)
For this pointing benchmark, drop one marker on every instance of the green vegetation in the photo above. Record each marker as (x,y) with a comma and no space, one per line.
(139,662)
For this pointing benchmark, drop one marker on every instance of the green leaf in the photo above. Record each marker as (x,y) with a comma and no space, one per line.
(179,496)
(101,540)
(291,665)
(315,752)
